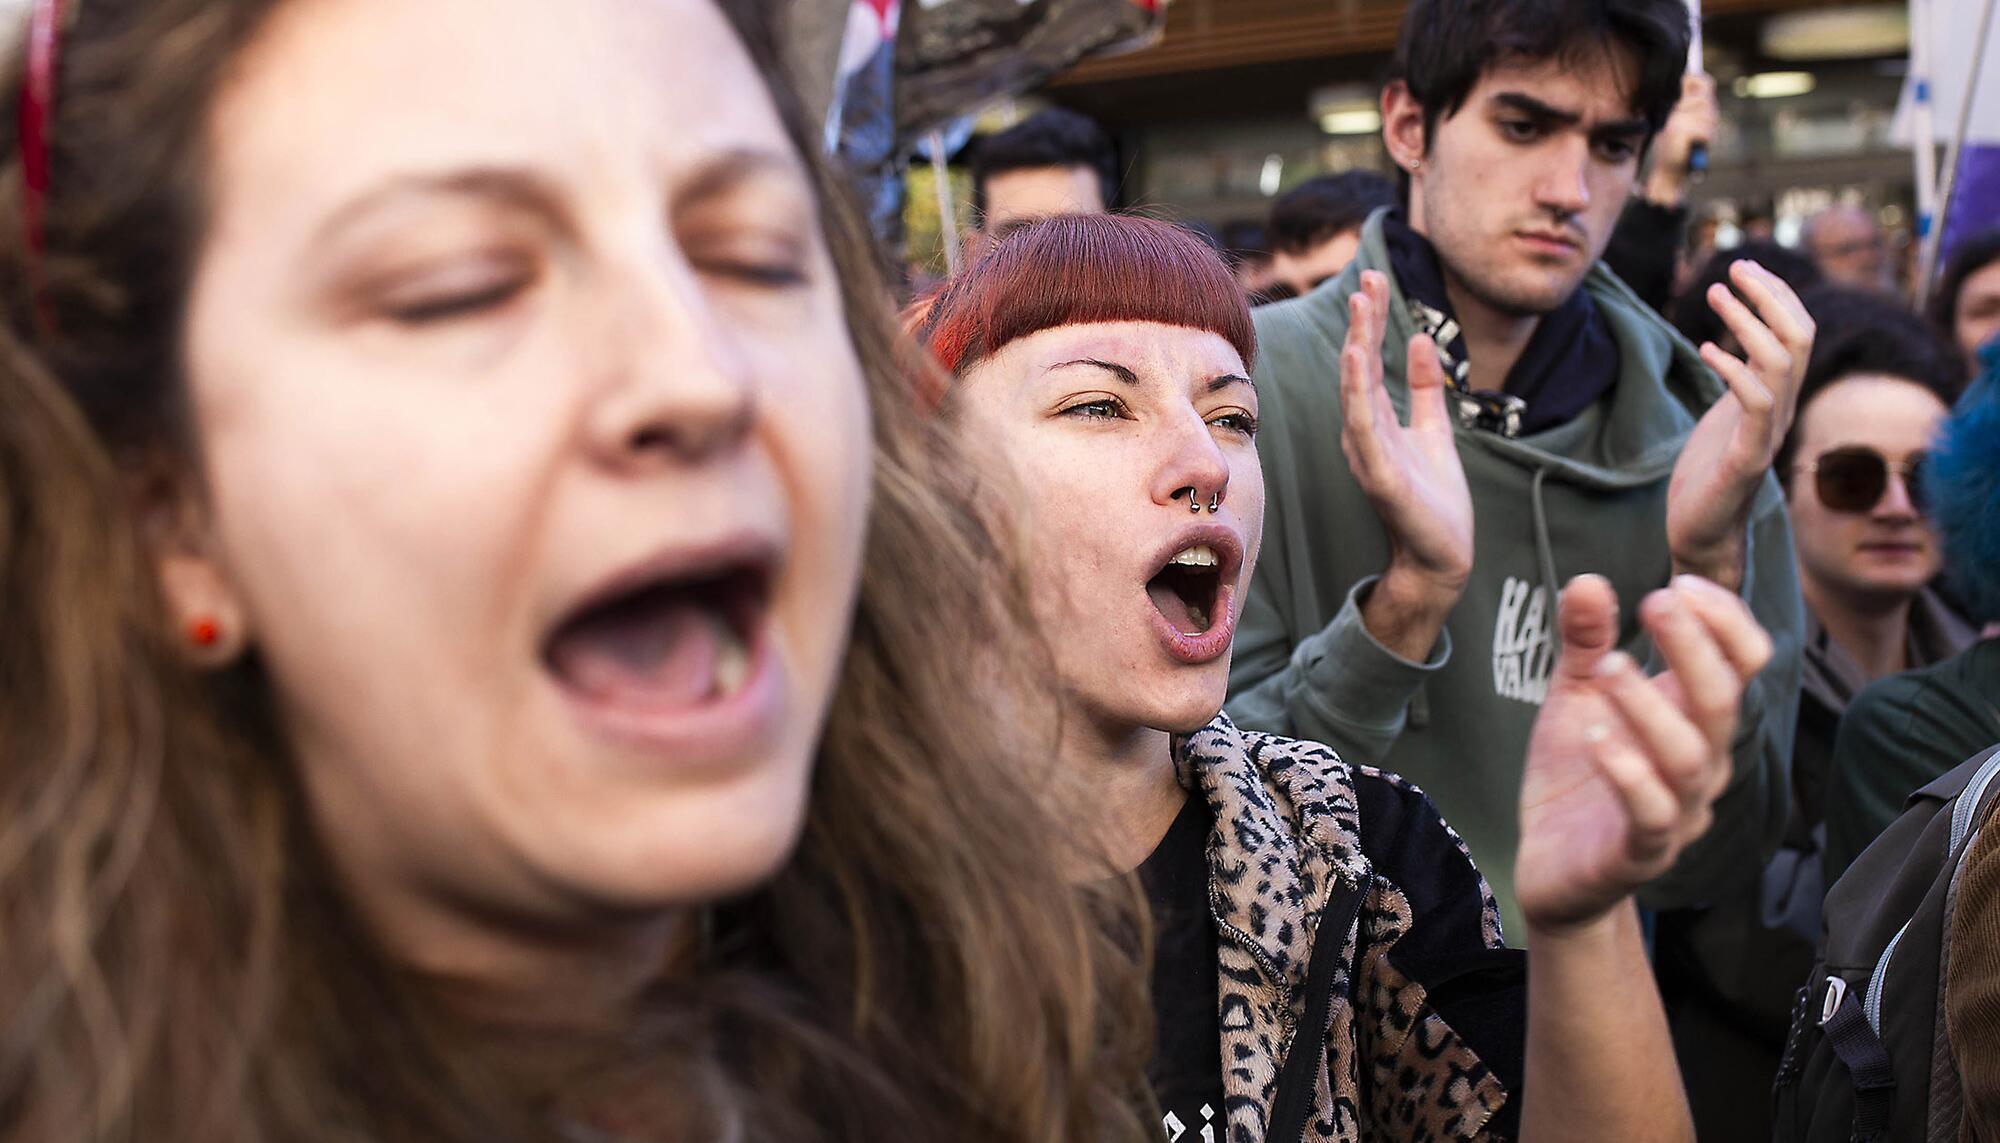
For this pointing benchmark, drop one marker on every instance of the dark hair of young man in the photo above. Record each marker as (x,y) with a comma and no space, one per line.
(1244,241)
(1697,320)
(1322,207)
(1445,46)
(1972,255)
(1052,137)
(1865,334)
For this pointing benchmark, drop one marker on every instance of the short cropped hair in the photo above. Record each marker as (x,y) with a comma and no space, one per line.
(1446,46)
(1079,269)
(1052,137)
(1861,333)
(1324,206)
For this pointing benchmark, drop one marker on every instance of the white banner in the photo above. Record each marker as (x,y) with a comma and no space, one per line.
(1948,28)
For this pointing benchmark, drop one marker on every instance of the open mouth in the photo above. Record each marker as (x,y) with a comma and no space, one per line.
(1188,590)
(664,643)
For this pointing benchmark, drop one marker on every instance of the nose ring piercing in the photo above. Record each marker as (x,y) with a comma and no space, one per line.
(1194,500)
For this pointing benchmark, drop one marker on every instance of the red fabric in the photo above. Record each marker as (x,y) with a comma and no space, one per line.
(37,115)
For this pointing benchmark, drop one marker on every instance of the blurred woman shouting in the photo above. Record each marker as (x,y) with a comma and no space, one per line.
(443,696)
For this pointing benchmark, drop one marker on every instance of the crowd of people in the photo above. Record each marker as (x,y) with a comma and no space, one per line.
(511,635)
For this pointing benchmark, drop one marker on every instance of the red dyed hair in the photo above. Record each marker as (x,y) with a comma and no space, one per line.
(1078,269)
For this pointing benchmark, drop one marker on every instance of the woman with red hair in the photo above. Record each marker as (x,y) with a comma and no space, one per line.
(1105,360)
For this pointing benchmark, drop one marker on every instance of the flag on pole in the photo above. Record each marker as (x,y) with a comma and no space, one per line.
(1954,79)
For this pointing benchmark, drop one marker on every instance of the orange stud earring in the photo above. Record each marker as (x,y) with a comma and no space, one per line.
(204,632)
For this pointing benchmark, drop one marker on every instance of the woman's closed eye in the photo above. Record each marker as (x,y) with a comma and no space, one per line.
(742,238)
(462,289)
(763,264)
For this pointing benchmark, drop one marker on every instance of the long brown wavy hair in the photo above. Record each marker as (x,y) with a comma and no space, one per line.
(176,963)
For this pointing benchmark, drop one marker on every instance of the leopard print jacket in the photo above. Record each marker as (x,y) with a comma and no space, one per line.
(1294,823)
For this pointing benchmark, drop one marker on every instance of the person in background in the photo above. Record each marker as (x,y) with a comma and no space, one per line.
(1694,315)
(1700,247)
(1878,385)
(1645,248)
(1757,221)
(1404,609)
(1053,162)
(1848,245)
(1246,246)
(487,638)
(1315,227)
(1326,947)
(1906,730)
(1966,303)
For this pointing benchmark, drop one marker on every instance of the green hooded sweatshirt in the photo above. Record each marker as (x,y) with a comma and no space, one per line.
(1586,496)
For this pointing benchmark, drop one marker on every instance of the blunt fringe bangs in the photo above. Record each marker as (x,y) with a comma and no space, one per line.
(1445,46)
(1083,269)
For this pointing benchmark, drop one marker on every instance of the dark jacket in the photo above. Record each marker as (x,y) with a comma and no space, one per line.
(1729,971)
(1901,734)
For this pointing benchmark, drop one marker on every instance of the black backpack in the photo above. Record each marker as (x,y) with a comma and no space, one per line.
(1867,1058)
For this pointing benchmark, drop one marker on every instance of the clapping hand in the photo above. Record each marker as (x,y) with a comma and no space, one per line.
(1715,481)
(1410,474)
(1621,768)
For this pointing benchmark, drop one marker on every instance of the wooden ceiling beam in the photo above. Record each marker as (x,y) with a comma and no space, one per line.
(1202,35)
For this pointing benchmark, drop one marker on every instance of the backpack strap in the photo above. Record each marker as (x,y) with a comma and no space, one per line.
(1860,1049)
(1298,1083)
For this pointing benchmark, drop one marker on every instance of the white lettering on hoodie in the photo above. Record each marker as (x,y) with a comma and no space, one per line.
(1523,642)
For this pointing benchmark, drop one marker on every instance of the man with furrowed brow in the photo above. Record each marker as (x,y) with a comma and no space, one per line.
(1403,610)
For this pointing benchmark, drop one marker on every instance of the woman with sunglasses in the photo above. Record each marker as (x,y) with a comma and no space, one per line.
(439,443)
(1330,962)
(1877,385)
(1906,730)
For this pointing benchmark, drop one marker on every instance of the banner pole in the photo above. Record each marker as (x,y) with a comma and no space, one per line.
(947,205)
(1927,264)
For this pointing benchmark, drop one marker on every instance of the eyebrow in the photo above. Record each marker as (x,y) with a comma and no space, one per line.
(1111,367)
(730,169)
(528,190)
(1549,115)
(1214,385)
(506,186)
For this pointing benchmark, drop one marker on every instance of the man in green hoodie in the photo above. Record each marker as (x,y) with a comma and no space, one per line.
(1403,607)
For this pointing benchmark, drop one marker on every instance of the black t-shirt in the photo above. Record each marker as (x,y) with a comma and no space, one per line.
(1187,1063)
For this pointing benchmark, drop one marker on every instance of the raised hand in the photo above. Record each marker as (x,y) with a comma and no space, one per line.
(1411,475)
(1732,447)
(1693,121)
(1621,768)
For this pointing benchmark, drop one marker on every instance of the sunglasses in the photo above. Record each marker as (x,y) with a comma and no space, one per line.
(1853,479)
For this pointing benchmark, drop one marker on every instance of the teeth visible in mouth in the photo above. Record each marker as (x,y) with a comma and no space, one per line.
(732,661)
(1199,556)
